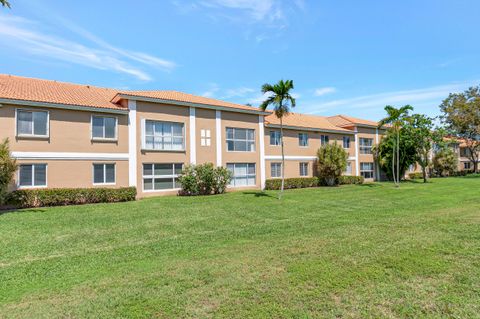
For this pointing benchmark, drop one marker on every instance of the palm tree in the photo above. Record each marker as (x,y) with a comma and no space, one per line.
(396,118)
(5,3)
(281,100)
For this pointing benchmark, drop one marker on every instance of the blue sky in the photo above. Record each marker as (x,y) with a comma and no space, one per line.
(345,56)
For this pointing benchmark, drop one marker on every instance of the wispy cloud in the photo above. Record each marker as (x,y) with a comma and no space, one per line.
(324,91)
(32,38)
(424,96)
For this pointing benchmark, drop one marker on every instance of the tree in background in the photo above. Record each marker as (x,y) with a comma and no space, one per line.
(8,166)
(445,162)
(5,3)
(396,118)
(386,154)
(332,162)
(461,115)
(421,130)
(281,100)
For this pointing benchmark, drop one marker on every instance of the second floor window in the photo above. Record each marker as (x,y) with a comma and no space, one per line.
(302,139)
(324,139)
(32,123)
(166,136)
(366,145)
(240,140)
(275,138)
(104,127)
(346,142)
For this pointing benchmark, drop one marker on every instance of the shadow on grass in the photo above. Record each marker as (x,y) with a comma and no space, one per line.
(4,211)
(258,194)
(369,185)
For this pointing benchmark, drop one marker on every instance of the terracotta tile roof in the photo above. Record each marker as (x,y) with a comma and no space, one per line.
(345,120)
(37,90)
(187,98)
(305,121)
(47,91)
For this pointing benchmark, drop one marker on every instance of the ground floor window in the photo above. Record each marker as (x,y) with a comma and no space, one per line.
(467,165)
(304,169)
(103,173)
(366,170)
(243,174)
(348,169)
(276,169)
(161,176)
(32,175)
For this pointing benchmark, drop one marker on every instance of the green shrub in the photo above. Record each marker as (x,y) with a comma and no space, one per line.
(8,166)
(417,175)
(332,162)
(301,182)
(204,179)
(26,198)
(445,162)
(350,180)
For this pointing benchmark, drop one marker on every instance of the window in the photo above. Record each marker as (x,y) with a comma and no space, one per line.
(166,136)
(366,170)
(303,139)
(103,173)
(275,138)
(276,169)
(161,176)
(303,169)
(32,123)
(205,138)
(324,139)
(467,165)
(348,169)
(366,145)
(243,174)
(240,140)
(346,142)
(32,175)
(104,127)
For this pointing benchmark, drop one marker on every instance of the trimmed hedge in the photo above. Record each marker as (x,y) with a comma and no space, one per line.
(301,182)
(350,180)
(417,175)
(26,198)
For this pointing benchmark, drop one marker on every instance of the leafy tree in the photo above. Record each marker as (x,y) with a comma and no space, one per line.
(421,129)
(386,150)
(396,118)
(445,161)
(5,3)
(461,114)
(8,166)
(281,100)
(332,162)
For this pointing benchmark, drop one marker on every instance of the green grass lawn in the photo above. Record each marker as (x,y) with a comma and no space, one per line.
(347,252)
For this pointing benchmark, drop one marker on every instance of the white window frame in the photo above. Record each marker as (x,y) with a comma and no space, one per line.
(346,140)
(153,149)
(105,174)
(465,164)
(300,139)
(276,138)
(279,164)
(232,182)
(302,166)
(33,135)
(372,171)
(348,169)
(237,140)
(324,139)
(115,138)
(153,177)
(33,176)
(205,137)
(365,149)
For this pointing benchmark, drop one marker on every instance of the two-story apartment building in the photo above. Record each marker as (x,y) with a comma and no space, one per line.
(71,135)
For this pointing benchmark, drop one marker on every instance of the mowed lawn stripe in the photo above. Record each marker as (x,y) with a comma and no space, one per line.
(352,251)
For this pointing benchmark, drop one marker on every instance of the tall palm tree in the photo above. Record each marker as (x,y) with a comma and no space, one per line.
(5,3)
(396,118)
(281,100)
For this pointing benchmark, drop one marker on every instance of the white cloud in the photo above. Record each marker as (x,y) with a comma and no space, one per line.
(212,91)
(257,9)
(238,92)
(433,95)
(26,35)
(324,91)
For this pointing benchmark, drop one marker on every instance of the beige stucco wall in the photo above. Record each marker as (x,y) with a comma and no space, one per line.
(70,131)
(77,174)
(205,120)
